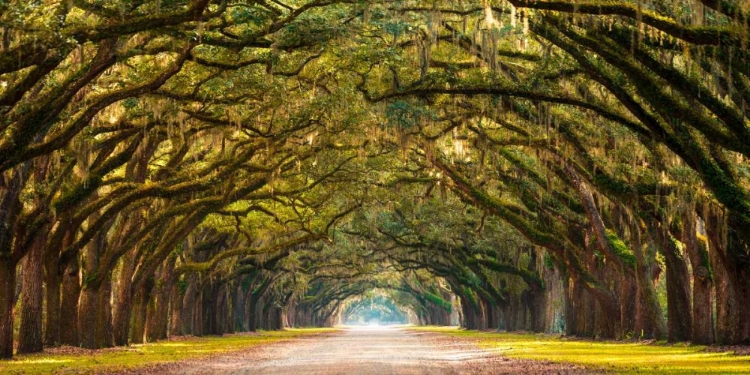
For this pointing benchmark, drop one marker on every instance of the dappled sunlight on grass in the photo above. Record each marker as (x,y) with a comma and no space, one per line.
(618,357)
(43,360)
(147,354)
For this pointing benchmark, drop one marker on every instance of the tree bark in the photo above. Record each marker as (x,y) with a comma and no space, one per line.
(7,291)
(94,316)
(52,291)
(697,250)
(92,310)
(123,306)
(10,206)
(104,337)
(735,326)
(140,307)
(238,301)
(208,308)
(631,313)
(679,319)
(30,338)
(726,304)
(158,312)
(187,308)
(71,291)
(53,275)
(175,315)
(649,317)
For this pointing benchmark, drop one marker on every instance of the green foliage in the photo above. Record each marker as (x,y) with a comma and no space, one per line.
(434,298)
(621,250)
(406,116)
(182,285)
(548,262)
(247,15)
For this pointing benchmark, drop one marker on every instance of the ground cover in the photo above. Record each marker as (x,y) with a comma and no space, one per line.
(75,360)
(620,357)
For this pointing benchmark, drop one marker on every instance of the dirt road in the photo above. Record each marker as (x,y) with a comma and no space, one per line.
(365,350)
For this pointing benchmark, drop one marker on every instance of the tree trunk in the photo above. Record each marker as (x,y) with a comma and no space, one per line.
(612,325)
(726,304)
(104,327)
(238,301)
(175,307)
(735,327)
(570,312)
(739,280)
(52,290)
(7,291)
(158,313)
(30,338)
(185,323)
(123,306)
(649,317)
(87,312)
(537,299)
(679,319)
(157,329)
(697,250)
(152,318)
(208,308)
(140,307)
(537,310)
(71,291)
(220,311)
(95,316)
(556,300)
(586,310)
(248,308)
(197,314)
(10,207)
(53,275)
(631,315)
(94,310)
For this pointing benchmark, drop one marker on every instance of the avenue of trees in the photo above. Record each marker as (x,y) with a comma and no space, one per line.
(200,167)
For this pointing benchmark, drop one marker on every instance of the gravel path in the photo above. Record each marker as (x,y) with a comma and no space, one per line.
(365,350)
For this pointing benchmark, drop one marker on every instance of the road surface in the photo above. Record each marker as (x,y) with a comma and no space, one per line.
(370,350)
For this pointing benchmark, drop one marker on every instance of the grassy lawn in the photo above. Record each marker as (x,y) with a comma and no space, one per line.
(83,361)
(609,356)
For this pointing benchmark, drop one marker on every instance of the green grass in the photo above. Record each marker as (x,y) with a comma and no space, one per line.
(144,355)
(626,358)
